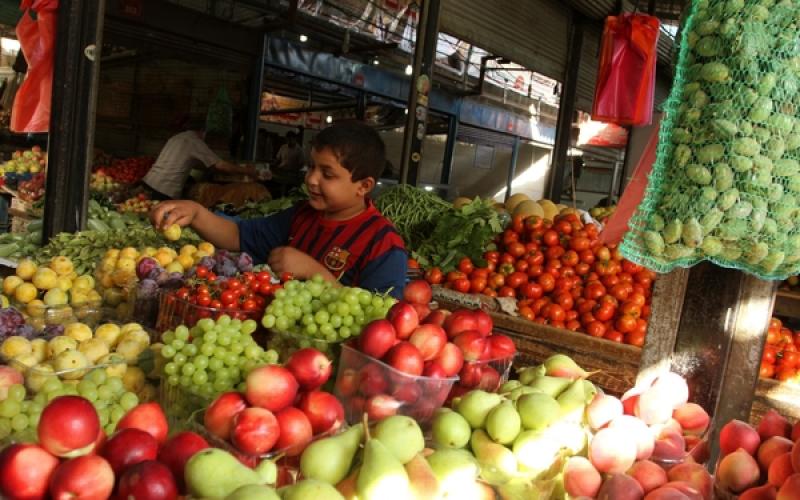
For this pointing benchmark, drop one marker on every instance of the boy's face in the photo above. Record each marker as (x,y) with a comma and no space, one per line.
(331,187)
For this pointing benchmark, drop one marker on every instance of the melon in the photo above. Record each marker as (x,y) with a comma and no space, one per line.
(529,208)
(460,202)
(516,199)
(550,209)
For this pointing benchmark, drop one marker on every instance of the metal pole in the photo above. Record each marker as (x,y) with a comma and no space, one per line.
(421,82)
(361,106)
(72,118)
(512,168)
(254,111)
(449,149)
(566,111)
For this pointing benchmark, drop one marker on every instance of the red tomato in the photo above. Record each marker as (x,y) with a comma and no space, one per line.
(477,285)
(775,323)
(626,324)
(506,291)
(522,265)
(481,272)
(554,253)
(516,249)
(550,238)
(565,300)
(604,312)
(203,300)
(615,336)
(790,358)
(489,292)
(570,258)
(527,313)
(286,276)
(554,312)
(461,285)
(785,374)
(767,370)
(585,305)
(531,290)
(596,329)
(580,243)
(516,279)
(621,291)
(572,325)
(434,276)
(228,297)
(465,265)
(492,256)
(594,290)
(770,354)
(496,280)
(249,305)
(631,309)
(773,336)
(547,282)
(635,338)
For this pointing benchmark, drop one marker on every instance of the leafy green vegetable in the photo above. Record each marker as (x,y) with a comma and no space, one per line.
(413,211)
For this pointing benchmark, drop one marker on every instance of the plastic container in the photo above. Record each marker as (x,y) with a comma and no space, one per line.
(174,312)
(90,313)
(180,404)
(367,385)
(72,374)
(699,450)
(287,343)
(487,375)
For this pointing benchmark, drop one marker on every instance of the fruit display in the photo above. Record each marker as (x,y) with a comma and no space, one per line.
(601,214)
(561,275)
(22,164)
(16,246)
(280,410)
(101,182)
(102,218)
(781,355)
(32,189)
(212,357)
(138,204)
(125,171)
(759,462)
(315,313)
(52,294)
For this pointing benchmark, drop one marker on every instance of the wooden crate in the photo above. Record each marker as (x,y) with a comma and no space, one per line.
(617,365)
(782,396)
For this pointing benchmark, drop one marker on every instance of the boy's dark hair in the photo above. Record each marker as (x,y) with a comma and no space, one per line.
(357,146)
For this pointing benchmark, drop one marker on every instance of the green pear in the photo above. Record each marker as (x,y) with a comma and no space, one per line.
(450,429)
(503,423)
(498,463)
(310,489)
(589,391)
(254,492)
(216,473)
(569,435)
(536,451)
(552,386)
(424,485)
(382,475)
(454,469)
(529,373)
(330,459)
(476,405)
(573,401)
(561,365)
(538,410)
(509,386)
(401,435)
(521,391)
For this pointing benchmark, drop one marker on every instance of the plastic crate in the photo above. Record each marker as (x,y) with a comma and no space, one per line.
(487,375)
(173,312)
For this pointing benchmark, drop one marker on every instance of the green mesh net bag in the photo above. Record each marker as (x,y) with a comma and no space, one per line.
(725,186)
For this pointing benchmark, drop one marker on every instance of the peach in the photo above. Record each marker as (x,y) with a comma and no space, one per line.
(772,448)
(648,474)
(796,455)
(602,410)
(666,493)
(780,469)
(737,434)
(654,406)
(790,489)
(670,447)
(773,424)
(696,476)
(629,404)
(766,492)
(620,487)
(612,450)
(738,471)
(692,418)
(795,431)
(640,433)
(581,478)
(674,387)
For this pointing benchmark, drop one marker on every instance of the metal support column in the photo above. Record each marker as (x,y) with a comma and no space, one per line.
(72,118)
(421,82)
(254,103)
(361,106)
(512,168)
(566,110)
(449,149)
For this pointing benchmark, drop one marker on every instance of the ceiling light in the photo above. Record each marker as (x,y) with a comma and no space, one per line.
(303,38)
(409,70)
(428,188)
(405,111)
(376,61)
(329,119)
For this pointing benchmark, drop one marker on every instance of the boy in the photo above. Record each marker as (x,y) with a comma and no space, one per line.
(337,233)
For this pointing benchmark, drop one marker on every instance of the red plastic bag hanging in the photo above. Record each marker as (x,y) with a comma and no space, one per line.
(617,225)
(31,110)
(626,77)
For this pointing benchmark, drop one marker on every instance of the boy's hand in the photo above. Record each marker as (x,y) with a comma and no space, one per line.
(289,259)
(166,213)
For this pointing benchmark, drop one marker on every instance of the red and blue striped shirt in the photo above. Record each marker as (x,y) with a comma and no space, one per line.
(364,251)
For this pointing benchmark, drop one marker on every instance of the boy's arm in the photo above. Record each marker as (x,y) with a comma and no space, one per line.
(299,263)
(221,232)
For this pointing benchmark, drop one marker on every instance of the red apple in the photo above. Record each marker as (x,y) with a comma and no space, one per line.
(470,375)
(310,368)
(347,383)
(218,418)
(127,447)
(381,406)
(68,426)
(377,338)
(271,387)
(471,343)
(437,317)
(500,347)
(408,392)
(490,379)
(422,311)
(418,292)
(372,380)
(405,357)
(324,411)
(404,318)
(451,359)
(255,431)
(460,321)
(25,471)
(148,480)
(434,369)
(88,477)
(429,339)
(295,431)
(483,322)
(178,450)
(148,417)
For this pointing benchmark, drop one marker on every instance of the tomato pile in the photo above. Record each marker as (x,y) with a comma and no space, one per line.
(781,357)
(129,170)
(245,296)
(561,275)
